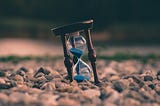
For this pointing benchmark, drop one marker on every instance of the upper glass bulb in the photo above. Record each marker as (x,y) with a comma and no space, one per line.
(76,45)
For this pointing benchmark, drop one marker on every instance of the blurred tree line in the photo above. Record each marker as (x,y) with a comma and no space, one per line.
(128,20)
(104,12)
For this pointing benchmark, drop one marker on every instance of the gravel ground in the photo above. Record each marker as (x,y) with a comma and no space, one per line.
(44,83)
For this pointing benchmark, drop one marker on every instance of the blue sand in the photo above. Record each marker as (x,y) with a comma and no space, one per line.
(80,78)
(76,52)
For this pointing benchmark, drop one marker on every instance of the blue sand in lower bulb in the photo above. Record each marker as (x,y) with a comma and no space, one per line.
(80,78)
(76,52)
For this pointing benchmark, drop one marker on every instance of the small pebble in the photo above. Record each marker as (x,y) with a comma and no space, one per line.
(118,86)
(5,86)
(158,75)
(40,74)
(2,73)
(113,96)
(24,69)
(114,78)
(41,80)
(49,86)
(148,78)
(20,72)
(13,83)
(2,81)
(138,81)
(46,71)
(49,77)
(152,86)
(18,78)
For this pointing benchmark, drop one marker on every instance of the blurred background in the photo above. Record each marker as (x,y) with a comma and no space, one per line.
(116,22)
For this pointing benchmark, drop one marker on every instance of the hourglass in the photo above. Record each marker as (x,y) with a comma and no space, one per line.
(76,45)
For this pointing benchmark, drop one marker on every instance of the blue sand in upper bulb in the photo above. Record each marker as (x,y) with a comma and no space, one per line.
(76,52)
(80,78)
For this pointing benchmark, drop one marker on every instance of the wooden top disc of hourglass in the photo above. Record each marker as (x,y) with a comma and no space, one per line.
(62,30)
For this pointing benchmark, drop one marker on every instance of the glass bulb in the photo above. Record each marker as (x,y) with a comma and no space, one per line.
(78,42)
(76,45)
(82,71)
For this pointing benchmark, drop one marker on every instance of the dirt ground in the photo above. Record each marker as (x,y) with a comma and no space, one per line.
(43,82)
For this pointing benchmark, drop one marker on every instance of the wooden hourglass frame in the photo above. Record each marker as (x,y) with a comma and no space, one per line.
(84,26)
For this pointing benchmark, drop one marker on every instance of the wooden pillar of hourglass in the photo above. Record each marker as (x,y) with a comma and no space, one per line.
(85,26)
